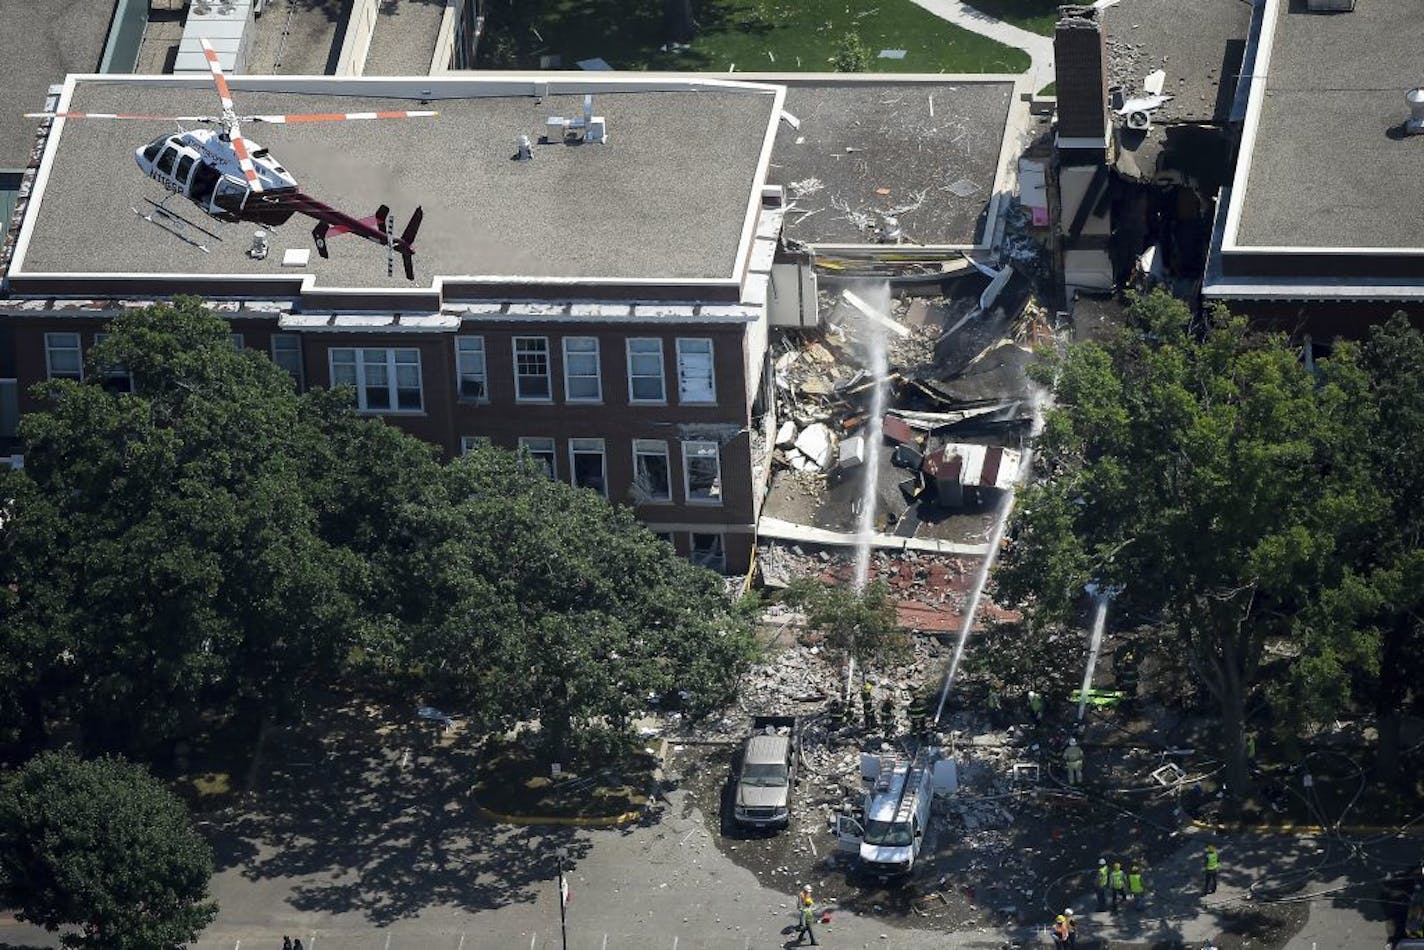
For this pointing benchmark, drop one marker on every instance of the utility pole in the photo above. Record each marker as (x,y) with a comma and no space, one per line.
(562,853)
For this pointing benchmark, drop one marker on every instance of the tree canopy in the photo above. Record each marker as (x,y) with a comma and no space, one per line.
(100,847)
(1195,468)
(860,624)
(213,539)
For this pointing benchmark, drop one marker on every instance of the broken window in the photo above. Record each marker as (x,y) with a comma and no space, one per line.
(470,364)
(706,551)
(117,378)
(652,480)
(385,380)
(694,372)
(586,459)
(531,368)
(287,353)
(582,382)
(702,471)
(542,451)
(645,370)
(62,359)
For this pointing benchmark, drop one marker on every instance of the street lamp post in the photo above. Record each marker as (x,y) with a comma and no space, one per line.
(563,853)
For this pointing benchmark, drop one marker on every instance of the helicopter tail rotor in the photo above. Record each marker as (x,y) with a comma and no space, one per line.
(405,244)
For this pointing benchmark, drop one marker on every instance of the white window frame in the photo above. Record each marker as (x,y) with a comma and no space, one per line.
(548,370)
(14,386)
(528,443)
(360,361)
(299,372)
(717,562)
(112,373)
(661,399)
(687,473)
(469,349)
(50,341)
(569,376)
(682,397)
(579,447)
(650,447)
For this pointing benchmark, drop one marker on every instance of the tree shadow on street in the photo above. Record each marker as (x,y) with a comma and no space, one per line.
(363,812)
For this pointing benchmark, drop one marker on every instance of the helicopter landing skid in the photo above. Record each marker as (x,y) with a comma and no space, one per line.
(175,224)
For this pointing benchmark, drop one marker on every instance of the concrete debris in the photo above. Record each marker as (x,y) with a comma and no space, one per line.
(817,444)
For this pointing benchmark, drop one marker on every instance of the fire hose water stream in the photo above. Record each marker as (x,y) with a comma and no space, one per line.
(996,538)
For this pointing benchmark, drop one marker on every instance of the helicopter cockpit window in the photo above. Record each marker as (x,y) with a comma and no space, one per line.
(185,165)
(151,150)
(230,194)
(165,161)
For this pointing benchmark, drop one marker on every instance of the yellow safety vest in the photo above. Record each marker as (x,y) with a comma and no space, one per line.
(1102,875)
(1119,881)
(1134,883)
(1213,860)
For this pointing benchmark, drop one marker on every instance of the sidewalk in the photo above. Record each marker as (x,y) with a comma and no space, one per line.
(1039,48)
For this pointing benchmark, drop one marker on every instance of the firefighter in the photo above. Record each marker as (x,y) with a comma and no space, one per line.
(1118,881)
(867,704)
(1209,867)
(1073,762)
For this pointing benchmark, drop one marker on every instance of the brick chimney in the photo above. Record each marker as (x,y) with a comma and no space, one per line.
(1080,53)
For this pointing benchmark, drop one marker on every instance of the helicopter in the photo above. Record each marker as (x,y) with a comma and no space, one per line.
(232,179)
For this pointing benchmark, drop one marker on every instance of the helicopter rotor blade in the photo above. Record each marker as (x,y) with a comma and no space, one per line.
(244,159)
(219,80)
(339,116)
(121,115)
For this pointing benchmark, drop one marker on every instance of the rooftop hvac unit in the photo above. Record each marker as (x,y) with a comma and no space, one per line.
(1414,125)
(226,25)
(585,128)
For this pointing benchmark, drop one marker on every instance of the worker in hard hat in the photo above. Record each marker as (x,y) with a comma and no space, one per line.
(1118,882)
(1210,866)
(1035,707)
(1101,883)
(1073,762)
(1072,923)
(1060,931)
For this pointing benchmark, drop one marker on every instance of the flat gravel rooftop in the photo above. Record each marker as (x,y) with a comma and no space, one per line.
(403,43)
(1330,166)
(667,197)
(927,151)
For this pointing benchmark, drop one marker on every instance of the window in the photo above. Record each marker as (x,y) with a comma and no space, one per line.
(62,357)
(468,443)
(117,377)
(542,450)
(645,371)
(9,408)
(702,472)
(664,536)
(287,353)
(531,368)
(706,551)
(385,380)
(586,460)
(151,150)
(185,166)
(237,343)
(581,378)
(165,161)
(695,383)
(470,365)
(652,479)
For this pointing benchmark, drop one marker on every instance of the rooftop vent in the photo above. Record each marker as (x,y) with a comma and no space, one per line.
(585,128)
(1414,125)
(1330,6)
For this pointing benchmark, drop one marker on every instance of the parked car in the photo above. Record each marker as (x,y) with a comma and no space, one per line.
(766,773)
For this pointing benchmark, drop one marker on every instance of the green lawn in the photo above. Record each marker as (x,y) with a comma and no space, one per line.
(1038,16)
(752,35)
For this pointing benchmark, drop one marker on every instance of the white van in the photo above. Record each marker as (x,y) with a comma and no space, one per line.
(900,789)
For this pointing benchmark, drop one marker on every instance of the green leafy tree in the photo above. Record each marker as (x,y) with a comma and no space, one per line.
(1364,640)
(100,847)
(1191,468)
(185,544)
(537,599)
(851,55)
(860,624)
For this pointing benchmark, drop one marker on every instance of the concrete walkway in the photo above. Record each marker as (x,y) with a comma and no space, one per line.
(1039,48)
